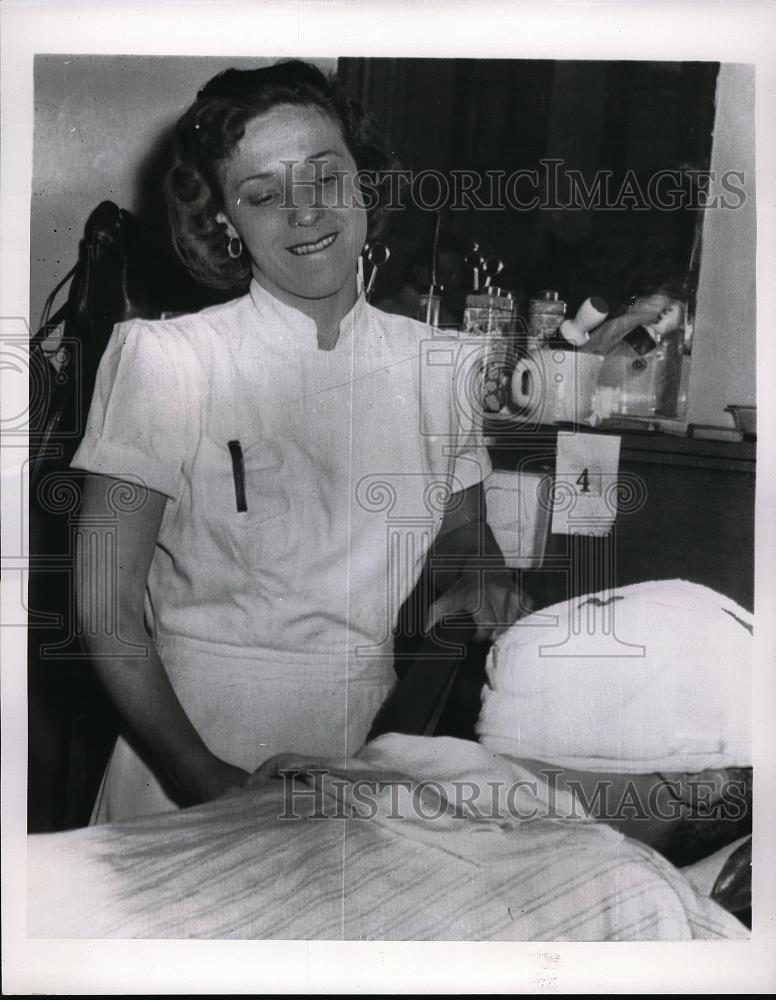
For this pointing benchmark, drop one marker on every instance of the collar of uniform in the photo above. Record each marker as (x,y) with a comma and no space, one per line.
(293,324)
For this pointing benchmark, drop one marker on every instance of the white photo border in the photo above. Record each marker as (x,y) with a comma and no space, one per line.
(741,32)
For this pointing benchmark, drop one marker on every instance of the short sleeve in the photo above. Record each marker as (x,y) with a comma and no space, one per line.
(471,460)
(468,449)
(449,416)
(141,419)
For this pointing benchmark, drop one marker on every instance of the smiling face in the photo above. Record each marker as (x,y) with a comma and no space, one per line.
(289,194)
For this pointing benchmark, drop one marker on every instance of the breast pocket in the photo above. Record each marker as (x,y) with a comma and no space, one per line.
(238,488)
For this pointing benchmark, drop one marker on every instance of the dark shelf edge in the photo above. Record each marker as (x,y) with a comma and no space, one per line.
(506,444)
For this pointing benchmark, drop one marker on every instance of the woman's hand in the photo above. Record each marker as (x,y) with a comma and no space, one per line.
(492,599)
(272,767)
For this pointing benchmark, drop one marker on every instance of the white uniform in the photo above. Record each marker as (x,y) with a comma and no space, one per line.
(274,621)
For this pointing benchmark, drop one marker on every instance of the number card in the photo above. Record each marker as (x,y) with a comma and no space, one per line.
(585,490)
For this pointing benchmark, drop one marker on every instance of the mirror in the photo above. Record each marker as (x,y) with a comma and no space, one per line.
(588,178)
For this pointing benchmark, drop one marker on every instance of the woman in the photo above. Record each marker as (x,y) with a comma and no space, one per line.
(286,453)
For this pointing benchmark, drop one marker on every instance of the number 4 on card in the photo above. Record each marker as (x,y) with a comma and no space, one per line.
(589,484)
(584,491)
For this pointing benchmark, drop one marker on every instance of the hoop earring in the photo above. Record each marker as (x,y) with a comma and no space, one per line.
(234,247)
(360,272)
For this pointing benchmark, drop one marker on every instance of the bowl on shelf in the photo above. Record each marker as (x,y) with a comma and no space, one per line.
(745,418)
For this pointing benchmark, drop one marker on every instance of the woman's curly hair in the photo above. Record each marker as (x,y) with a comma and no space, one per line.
(208,132)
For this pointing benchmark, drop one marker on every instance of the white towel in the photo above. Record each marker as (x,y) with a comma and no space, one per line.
(651,677)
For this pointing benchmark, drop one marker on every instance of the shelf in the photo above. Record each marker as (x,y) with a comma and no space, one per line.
(510,444)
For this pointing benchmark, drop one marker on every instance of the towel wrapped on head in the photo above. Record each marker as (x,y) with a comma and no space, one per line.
(647,678)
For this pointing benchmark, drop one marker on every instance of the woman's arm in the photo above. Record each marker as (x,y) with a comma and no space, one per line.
(122,653)
(468,572)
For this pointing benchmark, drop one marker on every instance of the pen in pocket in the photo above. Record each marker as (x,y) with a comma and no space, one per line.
(238,472)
